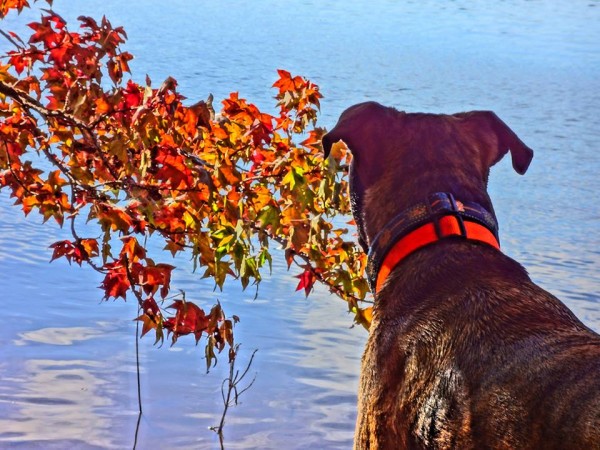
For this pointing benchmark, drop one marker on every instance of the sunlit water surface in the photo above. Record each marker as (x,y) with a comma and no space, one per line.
(67,365)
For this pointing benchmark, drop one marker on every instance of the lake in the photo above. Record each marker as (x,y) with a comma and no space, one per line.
(67,364)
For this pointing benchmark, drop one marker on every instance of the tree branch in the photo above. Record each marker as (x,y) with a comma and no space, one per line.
(29,103)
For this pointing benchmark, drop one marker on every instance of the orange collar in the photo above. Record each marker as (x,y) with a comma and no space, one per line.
(423,224)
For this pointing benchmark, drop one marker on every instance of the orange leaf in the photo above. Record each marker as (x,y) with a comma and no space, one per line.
(102,106)
(149,323)
(90,246)
(132,249)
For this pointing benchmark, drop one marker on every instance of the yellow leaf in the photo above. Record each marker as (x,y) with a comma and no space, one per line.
(368,314)
(289,179)
(338,151)
(189,220)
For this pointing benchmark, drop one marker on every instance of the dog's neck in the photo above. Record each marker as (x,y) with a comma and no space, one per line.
(383,197)
(439,217)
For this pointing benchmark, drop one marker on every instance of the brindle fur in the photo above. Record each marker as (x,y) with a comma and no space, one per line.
(464,350)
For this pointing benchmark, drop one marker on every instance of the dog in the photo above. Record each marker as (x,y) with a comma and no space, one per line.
(464,350)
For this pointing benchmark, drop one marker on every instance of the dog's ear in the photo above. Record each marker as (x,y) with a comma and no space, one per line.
(353,119)
(521,155)
(340,132)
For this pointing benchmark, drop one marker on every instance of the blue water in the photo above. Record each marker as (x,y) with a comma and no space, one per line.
(67,366)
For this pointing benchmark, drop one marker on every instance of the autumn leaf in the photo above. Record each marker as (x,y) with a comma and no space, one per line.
(209,353)
(307,280)
(62,248)
(78,251)
(116,282)
(102,105)
(363,317)
(7,5)
(153,277)
(148,323)
(226,332)
(151,318)
(189,318)
(131,249)
(89,247)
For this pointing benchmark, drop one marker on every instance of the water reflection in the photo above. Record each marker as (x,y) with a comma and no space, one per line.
(57,401)
(59,336)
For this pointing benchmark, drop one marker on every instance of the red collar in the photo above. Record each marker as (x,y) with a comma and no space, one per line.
(423,224)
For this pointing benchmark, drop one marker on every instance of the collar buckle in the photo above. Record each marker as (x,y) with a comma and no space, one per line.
(443,204)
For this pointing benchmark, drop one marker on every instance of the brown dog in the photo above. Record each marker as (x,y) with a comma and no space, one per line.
(464,351)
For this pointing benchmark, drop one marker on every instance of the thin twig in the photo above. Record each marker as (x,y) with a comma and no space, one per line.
(132,283)
(229,387)
(137,362)
(139,384)
(11,40)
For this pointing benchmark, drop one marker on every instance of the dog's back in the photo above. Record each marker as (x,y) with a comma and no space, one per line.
(464,358)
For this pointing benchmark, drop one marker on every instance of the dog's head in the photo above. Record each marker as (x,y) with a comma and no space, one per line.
(400,158)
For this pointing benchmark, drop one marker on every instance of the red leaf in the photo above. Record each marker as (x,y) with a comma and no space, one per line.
(62,248)
(78,251)
(154,276)
(59,54)
(150,307)
(189,318)
(151,317)
(133,95)
(307,280)
(116,283)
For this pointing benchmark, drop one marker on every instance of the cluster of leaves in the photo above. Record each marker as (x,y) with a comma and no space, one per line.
(136,161)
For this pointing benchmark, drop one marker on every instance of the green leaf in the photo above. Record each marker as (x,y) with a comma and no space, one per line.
(106,246)
(270,216)
(265,256)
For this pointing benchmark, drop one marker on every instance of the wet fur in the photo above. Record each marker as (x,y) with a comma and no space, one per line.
(464,350)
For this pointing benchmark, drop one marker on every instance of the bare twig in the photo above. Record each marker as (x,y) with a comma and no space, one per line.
(229,389)
(12,41)
(139,385)
(29,102)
